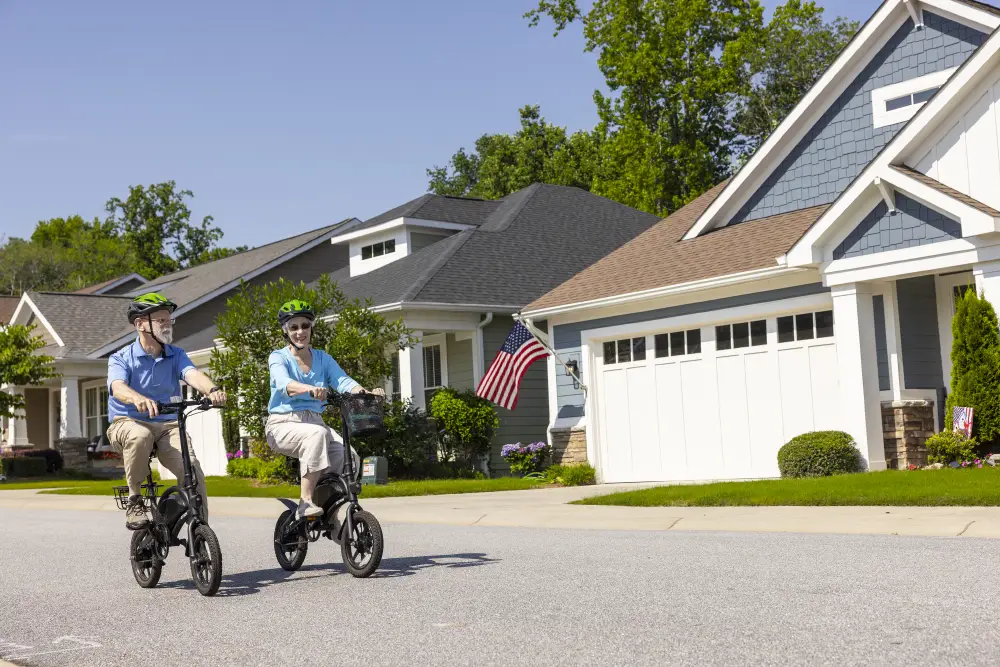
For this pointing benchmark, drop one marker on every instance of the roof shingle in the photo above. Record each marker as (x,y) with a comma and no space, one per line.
(83,321)
(945,190)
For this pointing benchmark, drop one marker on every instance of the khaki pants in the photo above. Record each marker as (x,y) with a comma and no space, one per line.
(134,440)
(303,435)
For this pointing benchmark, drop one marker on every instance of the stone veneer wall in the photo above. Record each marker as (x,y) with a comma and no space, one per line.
(906,425)
(569,445)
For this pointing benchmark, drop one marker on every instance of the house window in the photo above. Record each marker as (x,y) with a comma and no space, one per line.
(625,350)
(740,335)
(805,326)
(432,367)
(96,411)
(677,343)
(378,249)
(899,102)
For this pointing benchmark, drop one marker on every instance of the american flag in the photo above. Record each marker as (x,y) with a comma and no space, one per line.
(962,420)
(501,381)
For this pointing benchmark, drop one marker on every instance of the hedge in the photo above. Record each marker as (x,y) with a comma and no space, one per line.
(22,466)
(819,454)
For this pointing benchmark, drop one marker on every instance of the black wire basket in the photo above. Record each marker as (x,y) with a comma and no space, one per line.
(365,415)
(148,494)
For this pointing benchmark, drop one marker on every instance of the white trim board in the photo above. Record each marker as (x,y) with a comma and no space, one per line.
(976,69)
(935,258)
(318,241)
(401,222)
(25,299)
(851,61)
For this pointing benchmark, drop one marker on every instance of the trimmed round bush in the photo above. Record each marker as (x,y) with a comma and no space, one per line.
(819,454)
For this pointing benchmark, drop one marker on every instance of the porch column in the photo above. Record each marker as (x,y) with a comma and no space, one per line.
(411,373)
(17,433)
(893,340)
(854,330)
(69,408)
(987,277)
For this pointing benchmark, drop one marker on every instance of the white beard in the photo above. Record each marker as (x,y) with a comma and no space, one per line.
(166,336)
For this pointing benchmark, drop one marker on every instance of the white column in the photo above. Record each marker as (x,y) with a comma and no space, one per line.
(69,401)
(17,434)
(893,340)
(411,373)
(53,426)
(854,329)
(987,277)
(478,364)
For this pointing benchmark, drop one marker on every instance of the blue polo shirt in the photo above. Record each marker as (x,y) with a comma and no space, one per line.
(158,379)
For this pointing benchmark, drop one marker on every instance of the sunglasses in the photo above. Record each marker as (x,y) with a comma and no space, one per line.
(304,327)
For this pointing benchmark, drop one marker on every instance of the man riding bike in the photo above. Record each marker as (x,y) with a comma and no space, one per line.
(300,376)
(140,375)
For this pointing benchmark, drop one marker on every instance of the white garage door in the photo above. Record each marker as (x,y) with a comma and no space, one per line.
(716,402)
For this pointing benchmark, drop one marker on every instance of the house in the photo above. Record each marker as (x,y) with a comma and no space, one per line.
(456,269)
(82,329)
(814,289)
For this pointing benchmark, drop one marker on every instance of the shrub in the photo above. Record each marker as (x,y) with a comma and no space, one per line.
(261,450)
(581,474)
(526,459)
(22,466)
(409,443)
(467,424)
(975,360)
(243,467)
(53,459)
(948,446)
(277,469)
(819,454)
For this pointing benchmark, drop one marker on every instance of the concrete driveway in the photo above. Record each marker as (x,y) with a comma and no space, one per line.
(461,595)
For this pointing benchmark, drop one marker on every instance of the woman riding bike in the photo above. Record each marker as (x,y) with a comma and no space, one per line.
(300,376)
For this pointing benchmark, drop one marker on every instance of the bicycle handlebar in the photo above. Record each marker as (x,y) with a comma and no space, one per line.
(204,403)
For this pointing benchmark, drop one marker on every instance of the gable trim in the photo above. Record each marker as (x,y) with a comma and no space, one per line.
(977,67)
(868,41)
(400,222)
(25,299)
(318,241)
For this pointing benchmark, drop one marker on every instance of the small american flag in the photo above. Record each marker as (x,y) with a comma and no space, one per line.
(501,381)
(962,420)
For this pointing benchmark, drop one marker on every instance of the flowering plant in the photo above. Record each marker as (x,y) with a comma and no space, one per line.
(526,459)
(103,456)
(234,455)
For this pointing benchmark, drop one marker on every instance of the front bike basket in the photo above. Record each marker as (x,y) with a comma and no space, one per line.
(148,494)
(364,415)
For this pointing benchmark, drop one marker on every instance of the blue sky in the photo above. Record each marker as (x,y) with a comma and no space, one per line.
(281,117)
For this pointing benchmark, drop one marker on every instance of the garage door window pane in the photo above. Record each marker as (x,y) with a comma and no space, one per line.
(786,329)
(824,324)
(694,341)
(741,334)
(609,353)
(676,343)
(804,326)
(661,341)
(758,332)
(624,351)
(639,349)
(723,339)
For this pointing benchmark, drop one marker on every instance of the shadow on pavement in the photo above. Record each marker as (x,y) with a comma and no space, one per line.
(249,583)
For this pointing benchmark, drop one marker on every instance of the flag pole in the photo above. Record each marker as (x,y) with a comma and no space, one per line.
(540,337)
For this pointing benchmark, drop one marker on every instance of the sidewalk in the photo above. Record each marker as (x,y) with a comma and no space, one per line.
(548,508)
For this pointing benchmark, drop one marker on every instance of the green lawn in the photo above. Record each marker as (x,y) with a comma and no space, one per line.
(892,487)
(244,488)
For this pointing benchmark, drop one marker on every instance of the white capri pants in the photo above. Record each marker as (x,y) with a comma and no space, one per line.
(304,435)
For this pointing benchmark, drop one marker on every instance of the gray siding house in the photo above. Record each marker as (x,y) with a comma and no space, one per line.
(815,288)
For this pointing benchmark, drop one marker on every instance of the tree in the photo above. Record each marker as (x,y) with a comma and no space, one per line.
(781,63)
(975,365)
(156,222)
(359,339)
(504,163)
(20,366)
(28,266)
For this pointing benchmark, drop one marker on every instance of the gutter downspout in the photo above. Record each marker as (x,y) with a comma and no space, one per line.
(479,370)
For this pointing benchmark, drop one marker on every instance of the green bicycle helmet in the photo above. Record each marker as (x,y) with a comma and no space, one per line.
(295,308)
(150,302)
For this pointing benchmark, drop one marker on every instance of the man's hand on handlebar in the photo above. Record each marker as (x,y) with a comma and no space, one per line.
(147,405)
(218,398)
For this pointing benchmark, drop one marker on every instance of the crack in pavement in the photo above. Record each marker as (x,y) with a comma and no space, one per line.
(965,529)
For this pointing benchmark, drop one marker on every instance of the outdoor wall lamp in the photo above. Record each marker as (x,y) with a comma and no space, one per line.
(572,370)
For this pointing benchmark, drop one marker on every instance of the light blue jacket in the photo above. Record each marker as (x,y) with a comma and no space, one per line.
(325,372)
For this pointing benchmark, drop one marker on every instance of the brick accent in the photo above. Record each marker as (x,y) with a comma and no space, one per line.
(906,425)
(569,445)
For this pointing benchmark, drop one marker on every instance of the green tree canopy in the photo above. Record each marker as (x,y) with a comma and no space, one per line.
(20,366)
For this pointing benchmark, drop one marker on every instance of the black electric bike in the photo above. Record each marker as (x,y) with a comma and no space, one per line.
(180,507)
(359,534)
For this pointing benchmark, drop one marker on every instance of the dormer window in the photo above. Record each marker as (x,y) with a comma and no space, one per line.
(378,249)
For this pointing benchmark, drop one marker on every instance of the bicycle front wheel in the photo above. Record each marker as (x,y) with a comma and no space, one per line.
(144,554)
(206,560)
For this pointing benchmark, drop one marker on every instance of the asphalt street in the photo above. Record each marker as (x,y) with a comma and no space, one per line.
(450,595)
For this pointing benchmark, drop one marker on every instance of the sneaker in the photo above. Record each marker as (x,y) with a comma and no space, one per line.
(136,515)
(308,510)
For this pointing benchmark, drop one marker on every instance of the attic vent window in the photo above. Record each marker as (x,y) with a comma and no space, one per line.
(378,249)
(899,102)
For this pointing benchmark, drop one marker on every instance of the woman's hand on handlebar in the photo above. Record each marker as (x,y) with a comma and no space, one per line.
(378,391)
(318,393)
